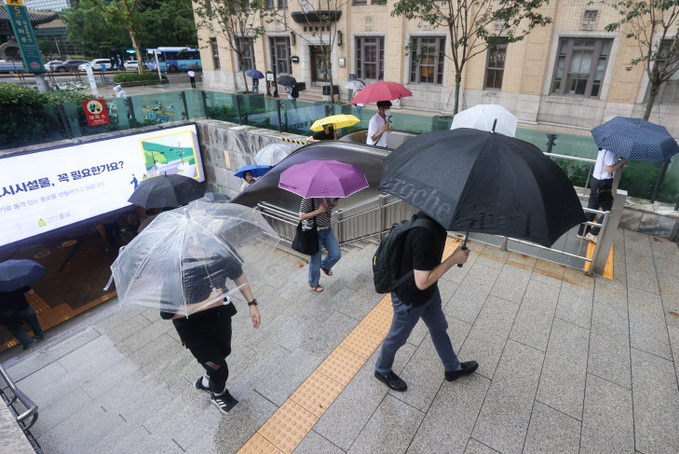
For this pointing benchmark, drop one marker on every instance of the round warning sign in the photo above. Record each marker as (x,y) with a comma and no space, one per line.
(94,107)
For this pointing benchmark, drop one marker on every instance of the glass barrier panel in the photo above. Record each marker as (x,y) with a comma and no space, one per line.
(221,106)
(28,125)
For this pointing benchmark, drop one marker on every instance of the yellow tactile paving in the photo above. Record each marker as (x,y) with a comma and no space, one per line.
(341,365)
(259,445)
(608,269)
(363,341)
(288,426)
(317,393)
(378,320)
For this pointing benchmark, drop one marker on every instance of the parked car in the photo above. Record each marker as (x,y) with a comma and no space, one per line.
(68,65)
(131,64)
(96,64)
(49,66)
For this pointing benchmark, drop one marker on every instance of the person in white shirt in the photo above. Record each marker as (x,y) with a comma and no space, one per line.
(379,128)
(606,165)
(192,78)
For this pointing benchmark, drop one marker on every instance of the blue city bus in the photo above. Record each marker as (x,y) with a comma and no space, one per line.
(174,59)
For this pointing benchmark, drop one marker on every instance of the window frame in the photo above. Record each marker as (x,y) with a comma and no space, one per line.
(568,56)
(359,56)
(214,49)
(661,89)
(502,47)
(249,48)
(439,60)
(275,58)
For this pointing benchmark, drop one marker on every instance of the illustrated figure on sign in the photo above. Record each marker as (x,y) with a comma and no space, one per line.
(134,181)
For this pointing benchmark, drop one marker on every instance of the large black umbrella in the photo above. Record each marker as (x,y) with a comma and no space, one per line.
(287,81)
(15,274)
(479,181)
(166,191)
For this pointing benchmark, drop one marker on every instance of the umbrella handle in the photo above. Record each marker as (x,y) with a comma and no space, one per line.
(463,247)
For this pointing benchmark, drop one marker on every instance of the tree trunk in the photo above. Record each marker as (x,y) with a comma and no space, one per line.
(137,50)
(245,79)
(651,100)
(458,81)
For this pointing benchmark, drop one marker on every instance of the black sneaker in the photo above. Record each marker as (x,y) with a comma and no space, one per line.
(199,385)
(392,380)
(224,401)
(466,368)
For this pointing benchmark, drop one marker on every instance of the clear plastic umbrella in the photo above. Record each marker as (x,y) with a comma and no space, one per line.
(274,153)
(487,117)
(189,259)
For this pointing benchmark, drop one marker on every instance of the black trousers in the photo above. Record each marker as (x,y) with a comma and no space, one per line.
(193,82)
(596,186)
(209,340)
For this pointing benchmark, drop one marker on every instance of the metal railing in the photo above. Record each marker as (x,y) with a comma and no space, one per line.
(28,417)
(375,216)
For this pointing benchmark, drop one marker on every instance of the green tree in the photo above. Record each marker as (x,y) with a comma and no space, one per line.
(167,23)
(238,21)
(85,24)
(655,27)
(474,25)
(125,14)
(323,15)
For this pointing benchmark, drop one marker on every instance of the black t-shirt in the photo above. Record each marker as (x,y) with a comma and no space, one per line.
(199,276)
(13,302)
(422,251)
(321,135)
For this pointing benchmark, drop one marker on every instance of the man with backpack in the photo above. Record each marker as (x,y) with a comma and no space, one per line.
(416,247)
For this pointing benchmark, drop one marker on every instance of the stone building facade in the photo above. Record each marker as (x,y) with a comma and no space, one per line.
(572,72)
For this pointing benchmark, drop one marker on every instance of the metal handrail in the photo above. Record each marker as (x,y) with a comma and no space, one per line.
(32,408)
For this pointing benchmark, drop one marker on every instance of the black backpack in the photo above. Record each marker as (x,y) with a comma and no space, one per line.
(387,258)
(295,92)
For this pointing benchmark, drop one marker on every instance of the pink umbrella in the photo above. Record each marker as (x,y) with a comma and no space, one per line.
(381,91)
(323,179)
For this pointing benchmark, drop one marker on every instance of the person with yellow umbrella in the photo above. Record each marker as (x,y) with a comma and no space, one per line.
(326,128)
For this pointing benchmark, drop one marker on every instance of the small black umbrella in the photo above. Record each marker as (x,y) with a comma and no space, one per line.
(166,191)
(287,81)
(479,181)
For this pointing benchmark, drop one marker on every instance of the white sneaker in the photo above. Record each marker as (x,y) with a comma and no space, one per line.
(592,238)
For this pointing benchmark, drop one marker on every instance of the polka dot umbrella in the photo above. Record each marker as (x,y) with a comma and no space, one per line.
(635,139)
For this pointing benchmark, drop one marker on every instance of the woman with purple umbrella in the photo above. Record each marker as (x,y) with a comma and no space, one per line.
(321,184)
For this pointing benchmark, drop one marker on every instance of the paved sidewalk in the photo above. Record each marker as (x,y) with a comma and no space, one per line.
(567,364)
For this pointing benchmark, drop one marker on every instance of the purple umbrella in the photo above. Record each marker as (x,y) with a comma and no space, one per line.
(323,179)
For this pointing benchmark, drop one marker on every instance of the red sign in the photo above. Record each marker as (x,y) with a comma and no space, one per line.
(95,109)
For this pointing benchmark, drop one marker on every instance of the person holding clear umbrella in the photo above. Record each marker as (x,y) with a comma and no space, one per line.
(207,334)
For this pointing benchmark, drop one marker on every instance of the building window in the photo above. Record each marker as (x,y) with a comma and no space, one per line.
(282,4)
(270,4)
(280,54)
(370,58)
(495,66)
(359,2)
(669,91)
(248,53)
(580,67)
(215,53)
(426,60)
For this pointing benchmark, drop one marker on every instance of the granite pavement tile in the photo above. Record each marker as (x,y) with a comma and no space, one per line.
(551,431)
(471,294)
(488,336)
(666,255)
(53,414)
(575,305)
(142,338)
(390,429)
(476,447)
(329,334)
(674,341)
(506,412)
(640,267)
(548,273)
(612,294)
(562,382)
(315,444)
(533,322)
(609,354)
(424,374)
(350,412)
(450,418)
(140,441)
(648,328)
(493,257)
(607,423)
(656,403)
(152,357)
(34,383)
(294,370)
(511,284)
(120,331)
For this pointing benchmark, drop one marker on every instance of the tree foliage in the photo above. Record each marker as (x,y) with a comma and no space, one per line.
(86,25)
(236,21)
(474,25)
(654,24)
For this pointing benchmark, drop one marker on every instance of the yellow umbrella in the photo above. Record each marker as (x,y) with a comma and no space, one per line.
(337,122)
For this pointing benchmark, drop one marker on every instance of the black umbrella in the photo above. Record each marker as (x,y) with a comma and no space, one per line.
(479,181)
(287,81)
(166,191)
(15,274)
